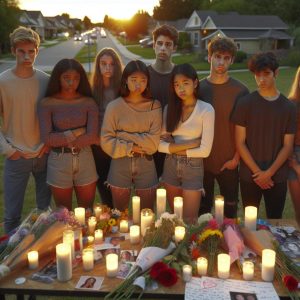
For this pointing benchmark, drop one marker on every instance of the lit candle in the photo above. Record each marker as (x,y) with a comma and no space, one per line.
(161,196)
(187,273)
(123,226)
(68,238)
(146,220)
(80,215)
(248,270)
(178,207)
(268,264)
(202,266)
(136,209)
(179,233)
(88,259)
(33,259)
(63,262)
(90,240)
(92,222)
(134,234)
(98,236)
(219,209)
(112,264)
(78,239)
(97,210)
(250,217)
(223,266)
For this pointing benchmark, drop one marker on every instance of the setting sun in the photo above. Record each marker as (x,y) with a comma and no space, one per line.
(94,9)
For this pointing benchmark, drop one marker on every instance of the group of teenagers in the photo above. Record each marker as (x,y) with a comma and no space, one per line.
(140,127)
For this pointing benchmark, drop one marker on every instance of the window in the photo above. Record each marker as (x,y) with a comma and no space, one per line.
(238,45)
(196,21)
(196,38)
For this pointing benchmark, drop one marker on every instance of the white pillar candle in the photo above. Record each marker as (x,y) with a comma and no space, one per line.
(268,264)
(97,210)
(90,240)
(98,236)
(161,196)
(219,209)
(123,226)
(112,264)
(223,266)
(88,259)
(179,233)
(92,222)
(33,259)
(250,217)
(187,273)
(63,262)
(80,215)
(146,220)
(136,209)
(202,266)
(248,270)
(134,234)
(68,238)
(178,207)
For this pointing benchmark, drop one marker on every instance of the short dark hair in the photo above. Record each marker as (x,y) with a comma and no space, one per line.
(132,67)
(174,109)
(222,44)
(63,66)
(263,61)
(168,31)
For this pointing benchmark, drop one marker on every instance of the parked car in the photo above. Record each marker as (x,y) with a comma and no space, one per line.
(77,37)
(144,42)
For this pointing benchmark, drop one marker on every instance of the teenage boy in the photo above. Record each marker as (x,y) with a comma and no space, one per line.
(165,40)
(265,127)
(222,92)
(21,88)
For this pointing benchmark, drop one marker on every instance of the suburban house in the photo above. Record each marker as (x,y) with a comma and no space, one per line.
(252,33)
(34,20)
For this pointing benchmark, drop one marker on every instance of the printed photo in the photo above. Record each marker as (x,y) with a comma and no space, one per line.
(242,296)
(89,283)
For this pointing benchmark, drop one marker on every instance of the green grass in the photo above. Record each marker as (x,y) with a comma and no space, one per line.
(127,42)
(87,54)
(147,53)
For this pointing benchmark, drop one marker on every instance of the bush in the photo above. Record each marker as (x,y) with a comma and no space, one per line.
(184,42)
(293,58)
(240,56)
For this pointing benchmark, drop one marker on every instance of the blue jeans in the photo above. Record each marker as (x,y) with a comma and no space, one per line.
(16,176)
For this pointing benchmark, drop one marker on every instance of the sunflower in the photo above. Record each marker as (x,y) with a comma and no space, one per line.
(112,222)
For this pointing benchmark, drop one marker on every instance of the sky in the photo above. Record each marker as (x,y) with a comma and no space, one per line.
(94,9)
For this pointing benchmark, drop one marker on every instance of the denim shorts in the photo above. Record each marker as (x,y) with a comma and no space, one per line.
(292,174)
(66,170)
(184,172)
(127,171)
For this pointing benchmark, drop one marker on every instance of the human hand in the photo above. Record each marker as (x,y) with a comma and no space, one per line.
(195,143)
(167,137)
(230,165)
(79,131)
(263,179)
(16,155)
(137,149)
(45,149)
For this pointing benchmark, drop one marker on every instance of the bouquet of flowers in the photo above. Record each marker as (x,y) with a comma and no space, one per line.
(45,233)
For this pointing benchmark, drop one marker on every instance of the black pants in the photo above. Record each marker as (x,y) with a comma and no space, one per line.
(159,159)
(102,161)
(228,181)
(274,197)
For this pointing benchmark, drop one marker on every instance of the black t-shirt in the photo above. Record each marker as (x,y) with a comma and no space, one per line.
(266,123)
(223,98)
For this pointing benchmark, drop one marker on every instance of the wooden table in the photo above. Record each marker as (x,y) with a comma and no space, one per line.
(30,287)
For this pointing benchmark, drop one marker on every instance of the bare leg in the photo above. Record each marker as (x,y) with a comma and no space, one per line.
(121,197)
(172,191)
(85,195)
(191,205)
(294,187)
(62,197)
(147,197)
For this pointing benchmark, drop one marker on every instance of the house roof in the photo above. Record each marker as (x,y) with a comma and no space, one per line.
(235,21)
(30,17)
(203,14)
(178,24)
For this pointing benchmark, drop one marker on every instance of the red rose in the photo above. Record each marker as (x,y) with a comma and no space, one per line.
(167,277)
(290,282)
(157,268)
(195,253)
(4,238)
(213,224)
(194,237)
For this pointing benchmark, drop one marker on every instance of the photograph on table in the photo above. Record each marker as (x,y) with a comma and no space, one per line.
(89,283)
(115,240)
(242,296)
(100,251)
(47,273)
(128,255)
(124,269)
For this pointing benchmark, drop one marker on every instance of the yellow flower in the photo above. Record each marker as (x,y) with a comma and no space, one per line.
(112,222)
(210,232)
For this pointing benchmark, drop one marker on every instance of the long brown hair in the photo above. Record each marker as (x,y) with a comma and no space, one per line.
(294,94)
(97,80)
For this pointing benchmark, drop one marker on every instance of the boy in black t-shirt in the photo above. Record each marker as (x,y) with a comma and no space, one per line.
(265,127)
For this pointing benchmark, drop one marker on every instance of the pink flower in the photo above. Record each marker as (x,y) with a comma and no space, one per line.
(213,224)
(104,216)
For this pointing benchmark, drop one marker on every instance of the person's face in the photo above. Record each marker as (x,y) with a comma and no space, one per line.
(163,48)
(220,62)
(265,79)
(137,82)
(184,86)
(90,281)
(106,65)
(69,81)
(25,53)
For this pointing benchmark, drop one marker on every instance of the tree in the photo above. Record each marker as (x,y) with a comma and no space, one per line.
(9,16)
(137,25)
(87,23)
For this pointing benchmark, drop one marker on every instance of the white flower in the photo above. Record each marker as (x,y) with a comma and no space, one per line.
(167,215)
(205,218)
(158,223)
